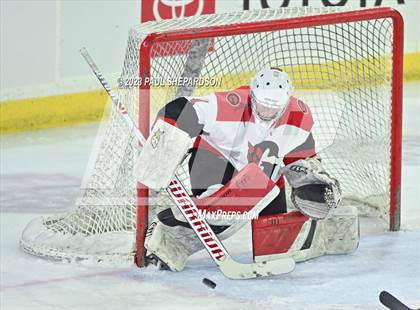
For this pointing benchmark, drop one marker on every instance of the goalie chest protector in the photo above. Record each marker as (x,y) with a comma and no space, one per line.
(232,131)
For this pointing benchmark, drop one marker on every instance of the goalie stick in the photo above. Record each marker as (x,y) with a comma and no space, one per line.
(391,302)
(227,265)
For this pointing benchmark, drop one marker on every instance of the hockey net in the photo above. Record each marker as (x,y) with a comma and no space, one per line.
(345,65)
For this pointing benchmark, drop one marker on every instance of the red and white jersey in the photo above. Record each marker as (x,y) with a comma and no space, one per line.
(230,129)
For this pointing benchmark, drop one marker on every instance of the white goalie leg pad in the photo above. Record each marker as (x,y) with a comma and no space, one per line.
(162,153)
(342,231)
(338,234)
(173,245)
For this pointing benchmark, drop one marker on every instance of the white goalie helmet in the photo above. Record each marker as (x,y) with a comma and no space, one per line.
(270,92)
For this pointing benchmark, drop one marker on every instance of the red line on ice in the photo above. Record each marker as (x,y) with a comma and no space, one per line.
(47,281)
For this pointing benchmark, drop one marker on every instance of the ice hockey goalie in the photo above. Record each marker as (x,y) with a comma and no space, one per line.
(254,136)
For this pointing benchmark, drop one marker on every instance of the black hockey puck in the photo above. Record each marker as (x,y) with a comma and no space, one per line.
(209,283)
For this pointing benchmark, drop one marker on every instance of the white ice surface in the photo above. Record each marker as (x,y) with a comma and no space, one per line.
(41,173)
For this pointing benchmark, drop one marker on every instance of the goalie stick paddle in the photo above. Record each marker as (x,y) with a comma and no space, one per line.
(391,302)
(229,267)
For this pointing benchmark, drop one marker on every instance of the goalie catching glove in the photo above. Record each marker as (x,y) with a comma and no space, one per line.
(314,192)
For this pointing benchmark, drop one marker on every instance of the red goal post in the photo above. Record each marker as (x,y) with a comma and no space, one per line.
(216,32)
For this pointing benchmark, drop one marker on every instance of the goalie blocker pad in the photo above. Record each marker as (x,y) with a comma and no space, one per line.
(162,153)
(236,202)
(241,193)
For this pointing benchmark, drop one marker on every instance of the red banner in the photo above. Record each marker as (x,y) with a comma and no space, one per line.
(169,9)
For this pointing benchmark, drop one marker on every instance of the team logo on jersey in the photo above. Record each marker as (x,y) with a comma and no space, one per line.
(156,138)
(265,154)
(233,99)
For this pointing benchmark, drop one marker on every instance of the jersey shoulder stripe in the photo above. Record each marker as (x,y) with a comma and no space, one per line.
(233,105)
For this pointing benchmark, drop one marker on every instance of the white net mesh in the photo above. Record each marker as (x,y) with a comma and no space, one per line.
(342,71)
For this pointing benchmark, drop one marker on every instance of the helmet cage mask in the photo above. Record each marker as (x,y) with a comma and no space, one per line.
(264,111)
(270,91)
